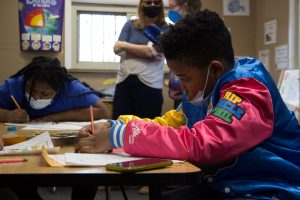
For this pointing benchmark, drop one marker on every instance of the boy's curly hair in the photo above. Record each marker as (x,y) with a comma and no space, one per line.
(197,39)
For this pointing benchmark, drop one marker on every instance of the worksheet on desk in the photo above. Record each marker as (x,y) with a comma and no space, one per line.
(37,142)
(34,145)
(87,159)
(53,126)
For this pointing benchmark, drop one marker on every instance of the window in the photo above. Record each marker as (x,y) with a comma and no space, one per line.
(97,34)
(95,29)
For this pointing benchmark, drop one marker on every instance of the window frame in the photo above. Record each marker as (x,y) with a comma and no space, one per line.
(93,8)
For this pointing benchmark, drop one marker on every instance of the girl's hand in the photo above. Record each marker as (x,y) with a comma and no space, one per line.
(17,116)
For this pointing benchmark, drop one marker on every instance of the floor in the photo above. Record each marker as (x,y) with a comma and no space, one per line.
(64,193)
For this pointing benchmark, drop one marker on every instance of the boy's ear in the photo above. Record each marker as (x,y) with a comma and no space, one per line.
(217,69)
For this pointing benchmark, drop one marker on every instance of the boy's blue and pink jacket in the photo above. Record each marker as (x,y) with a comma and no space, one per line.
(247,142)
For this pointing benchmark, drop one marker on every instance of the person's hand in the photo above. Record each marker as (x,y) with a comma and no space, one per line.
(97,143)
(157,48)
(119,46)
(86,131)
(17,116)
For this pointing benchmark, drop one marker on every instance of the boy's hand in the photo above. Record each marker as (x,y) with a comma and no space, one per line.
(97,143)
(86,131)
(18,116)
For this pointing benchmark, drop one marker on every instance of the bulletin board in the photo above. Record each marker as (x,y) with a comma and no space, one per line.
(289,86)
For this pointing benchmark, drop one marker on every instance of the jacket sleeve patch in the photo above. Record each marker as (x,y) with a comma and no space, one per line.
(227,108)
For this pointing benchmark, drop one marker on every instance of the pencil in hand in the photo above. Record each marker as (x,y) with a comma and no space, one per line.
(92,120)
(16,103)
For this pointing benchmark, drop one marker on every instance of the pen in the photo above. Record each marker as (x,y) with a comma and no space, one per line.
(16,103)
(13,160)
(92,120)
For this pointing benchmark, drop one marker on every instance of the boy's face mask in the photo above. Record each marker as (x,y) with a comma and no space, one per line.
(38,104)
(199,98)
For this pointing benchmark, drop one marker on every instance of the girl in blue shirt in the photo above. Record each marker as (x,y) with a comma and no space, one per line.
(46,92)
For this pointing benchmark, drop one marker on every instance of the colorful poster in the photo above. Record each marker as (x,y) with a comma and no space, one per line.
(41,23)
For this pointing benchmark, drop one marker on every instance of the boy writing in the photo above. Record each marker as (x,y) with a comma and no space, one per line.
(247,142)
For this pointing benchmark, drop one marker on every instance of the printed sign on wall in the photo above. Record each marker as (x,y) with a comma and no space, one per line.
(236,7)
(270,32)
(41,23)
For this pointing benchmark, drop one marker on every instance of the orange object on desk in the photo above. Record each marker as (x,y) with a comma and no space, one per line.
(13,140)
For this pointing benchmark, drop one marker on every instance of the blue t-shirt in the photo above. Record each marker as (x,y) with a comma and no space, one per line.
(135,36)
(74,95)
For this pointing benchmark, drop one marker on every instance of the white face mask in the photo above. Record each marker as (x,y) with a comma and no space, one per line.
(199,98)
(38,104)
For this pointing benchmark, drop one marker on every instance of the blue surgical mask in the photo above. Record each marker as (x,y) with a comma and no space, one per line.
(174,16)
(199,98)
(38,104)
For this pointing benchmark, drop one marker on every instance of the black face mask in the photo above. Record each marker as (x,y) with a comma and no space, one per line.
(152,11)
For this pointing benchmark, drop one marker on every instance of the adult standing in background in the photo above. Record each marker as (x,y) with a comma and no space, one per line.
(140,77)
(178,9)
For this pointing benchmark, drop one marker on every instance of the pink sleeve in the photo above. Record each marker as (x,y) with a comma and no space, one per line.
(242,118)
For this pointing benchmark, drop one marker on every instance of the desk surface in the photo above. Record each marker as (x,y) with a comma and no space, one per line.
(36,172)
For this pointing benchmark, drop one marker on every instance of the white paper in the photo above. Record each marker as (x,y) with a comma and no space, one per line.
(281,57)
(52,126)
(289,87)
(270,35)
(82,159)
(236,7)
(37,142)
(31,146)
(102,159)
(264,57)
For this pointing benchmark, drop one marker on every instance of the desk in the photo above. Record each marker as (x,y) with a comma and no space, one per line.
(38,173)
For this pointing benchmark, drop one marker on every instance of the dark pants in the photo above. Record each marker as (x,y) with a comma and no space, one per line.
(25,193)
(193,192)
(133,97)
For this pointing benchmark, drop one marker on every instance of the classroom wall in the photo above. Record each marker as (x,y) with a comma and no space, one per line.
(268,10)
(242,28)
(247,36)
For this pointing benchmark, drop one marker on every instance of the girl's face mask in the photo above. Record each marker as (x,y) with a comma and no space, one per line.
(152,11)
(38,104)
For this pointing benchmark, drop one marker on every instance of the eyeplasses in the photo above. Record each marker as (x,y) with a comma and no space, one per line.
(149,3)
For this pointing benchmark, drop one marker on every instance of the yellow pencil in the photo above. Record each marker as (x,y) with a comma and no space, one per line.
(14,100)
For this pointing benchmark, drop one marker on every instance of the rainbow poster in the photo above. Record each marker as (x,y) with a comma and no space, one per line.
(41,24)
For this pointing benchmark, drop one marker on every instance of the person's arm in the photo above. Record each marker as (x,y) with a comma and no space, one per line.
(136,50)
(171,118)
(81,114)
(221,136)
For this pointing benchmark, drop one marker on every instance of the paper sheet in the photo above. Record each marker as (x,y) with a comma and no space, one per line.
(33,145)
(92,160)
(52,126)
(82,159)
